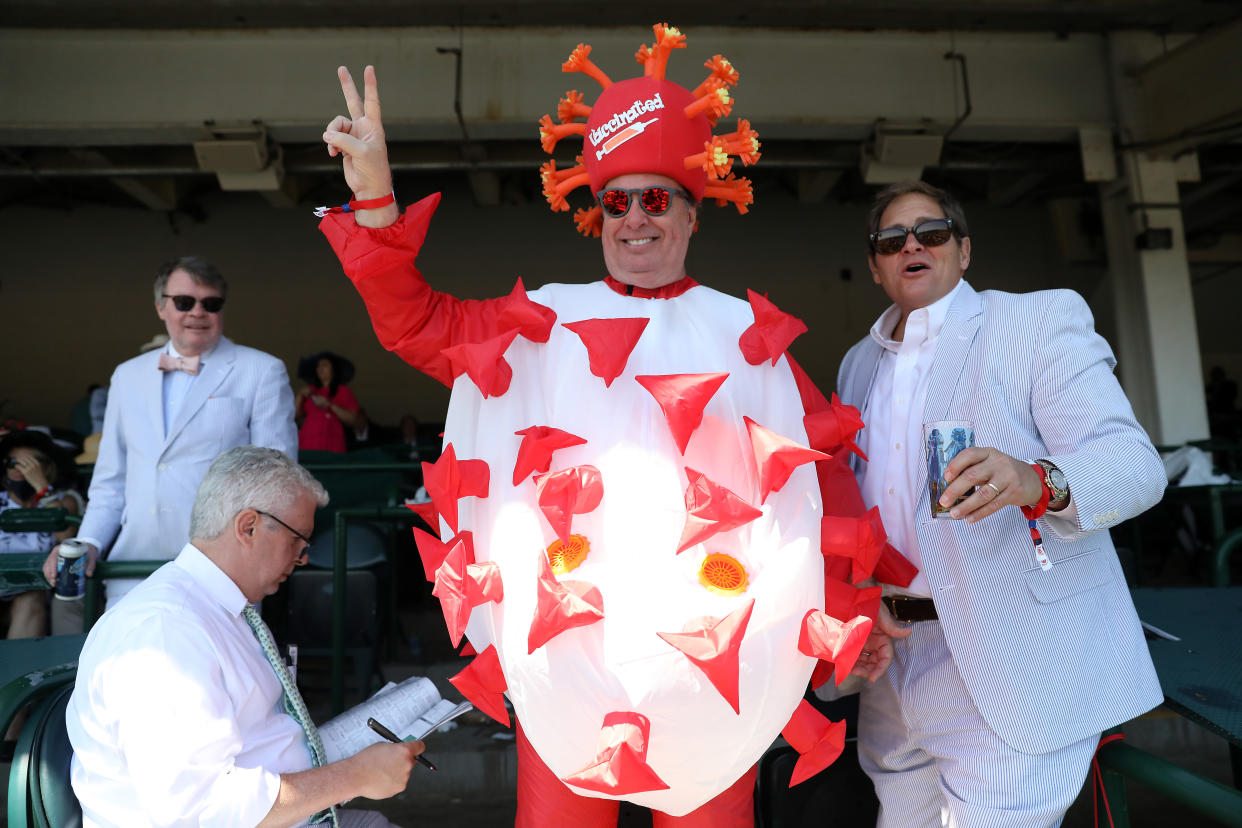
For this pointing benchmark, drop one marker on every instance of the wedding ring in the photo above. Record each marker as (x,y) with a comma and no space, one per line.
(992,486)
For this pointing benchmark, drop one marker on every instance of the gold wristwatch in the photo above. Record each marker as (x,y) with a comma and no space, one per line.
(1057,485)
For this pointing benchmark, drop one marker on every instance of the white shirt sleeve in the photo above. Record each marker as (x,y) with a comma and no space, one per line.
(177,733)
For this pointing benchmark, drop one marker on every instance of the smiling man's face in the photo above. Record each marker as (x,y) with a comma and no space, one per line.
(648,251)
(916,276)
(195,331)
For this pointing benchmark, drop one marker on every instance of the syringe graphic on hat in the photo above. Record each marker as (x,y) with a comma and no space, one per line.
(624,135)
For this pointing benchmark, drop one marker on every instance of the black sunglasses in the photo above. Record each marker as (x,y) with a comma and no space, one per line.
(295,532)
(654,201)
(184,303)
(930,233)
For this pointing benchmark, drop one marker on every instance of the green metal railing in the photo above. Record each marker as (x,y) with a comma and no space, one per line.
(1197,793)
(1220,561)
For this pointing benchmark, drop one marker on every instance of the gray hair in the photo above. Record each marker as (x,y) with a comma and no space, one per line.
(248,477)
(201,272)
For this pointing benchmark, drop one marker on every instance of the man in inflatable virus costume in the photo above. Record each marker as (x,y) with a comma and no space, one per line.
(631,529)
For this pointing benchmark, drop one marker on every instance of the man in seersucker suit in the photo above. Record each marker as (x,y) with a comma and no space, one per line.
(1007,660)
(170,412)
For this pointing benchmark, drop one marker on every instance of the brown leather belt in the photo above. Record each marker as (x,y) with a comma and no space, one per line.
(909,610)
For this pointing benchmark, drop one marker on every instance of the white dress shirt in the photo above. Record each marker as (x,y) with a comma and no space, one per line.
(893,438)
(177,717)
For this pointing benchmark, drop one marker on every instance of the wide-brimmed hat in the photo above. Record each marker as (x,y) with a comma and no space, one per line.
(342,368)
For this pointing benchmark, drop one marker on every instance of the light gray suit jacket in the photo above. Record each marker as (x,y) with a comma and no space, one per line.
(1049,657)
(144,482)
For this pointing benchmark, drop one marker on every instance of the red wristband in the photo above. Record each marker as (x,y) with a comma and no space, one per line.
(354,204)
(39,495)
(1037,511)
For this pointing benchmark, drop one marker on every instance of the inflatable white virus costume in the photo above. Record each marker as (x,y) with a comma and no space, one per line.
(629,512)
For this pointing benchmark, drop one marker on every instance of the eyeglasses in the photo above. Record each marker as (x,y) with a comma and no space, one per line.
(295,532)
(930,233)
(185,303)
(654,201)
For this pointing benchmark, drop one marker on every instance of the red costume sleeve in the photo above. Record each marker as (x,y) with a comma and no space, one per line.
(410,319)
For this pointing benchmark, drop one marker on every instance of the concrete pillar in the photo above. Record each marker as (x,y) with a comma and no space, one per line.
(1158,341)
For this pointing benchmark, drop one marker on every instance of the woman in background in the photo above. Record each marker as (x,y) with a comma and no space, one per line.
(325,406)
(36,474)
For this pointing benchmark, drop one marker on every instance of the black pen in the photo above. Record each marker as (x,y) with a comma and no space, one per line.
(392,737)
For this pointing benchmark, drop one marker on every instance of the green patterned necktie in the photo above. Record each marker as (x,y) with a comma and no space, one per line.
(294,705)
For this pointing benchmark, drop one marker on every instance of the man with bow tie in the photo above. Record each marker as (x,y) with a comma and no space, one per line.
(170,412)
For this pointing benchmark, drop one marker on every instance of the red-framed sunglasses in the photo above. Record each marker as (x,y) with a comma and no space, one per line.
(654,201)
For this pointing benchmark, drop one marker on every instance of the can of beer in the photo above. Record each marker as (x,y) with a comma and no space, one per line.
(71,570)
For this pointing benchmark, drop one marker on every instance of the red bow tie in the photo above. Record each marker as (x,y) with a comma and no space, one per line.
(168,362)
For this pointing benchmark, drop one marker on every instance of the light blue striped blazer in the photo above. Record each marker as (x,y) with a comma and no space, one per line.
(1049,657)
(144,482)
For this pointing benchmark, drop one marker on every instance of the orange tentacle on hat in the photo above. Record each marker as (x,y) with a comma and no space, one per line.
(649,124)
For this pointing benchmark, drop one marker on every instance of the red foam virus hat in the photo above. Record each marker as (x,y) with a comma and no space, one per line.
(649,124)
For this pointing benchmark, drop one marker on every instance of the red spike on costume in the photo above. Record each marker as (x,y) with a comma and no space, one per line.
(620,765)
(743,142)
(721,70)
(714,159)
(590,222)
(667,39)
(433,551)
(844,602)
(467,649)
(894,568)
(860,539)
(776,456)
(551,132)
(818,740)
(712,645)
(538,445)
(772,332)
(716,103)
(462,585)
(483,683)
(532,320)
(580,61)
(426,511)
(561,606)
(646,59)
(831,640)
(563,494)
(737,190)
(834,428)
(555,193)
(549,174)
(682,398)
(448,480)
(609,343)
(571,106)
(484,362)
(711,509)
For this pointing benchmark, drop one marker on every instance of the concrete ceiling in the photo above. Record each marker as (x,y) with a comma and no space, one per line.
(1065,16)
(164,175)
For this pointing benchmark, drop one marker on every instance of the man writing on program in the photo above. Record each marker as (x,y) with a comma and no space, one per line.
(183,712)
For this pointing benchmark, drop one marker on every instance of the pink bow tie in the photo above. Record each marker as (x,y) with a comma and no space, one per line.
(168,362)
